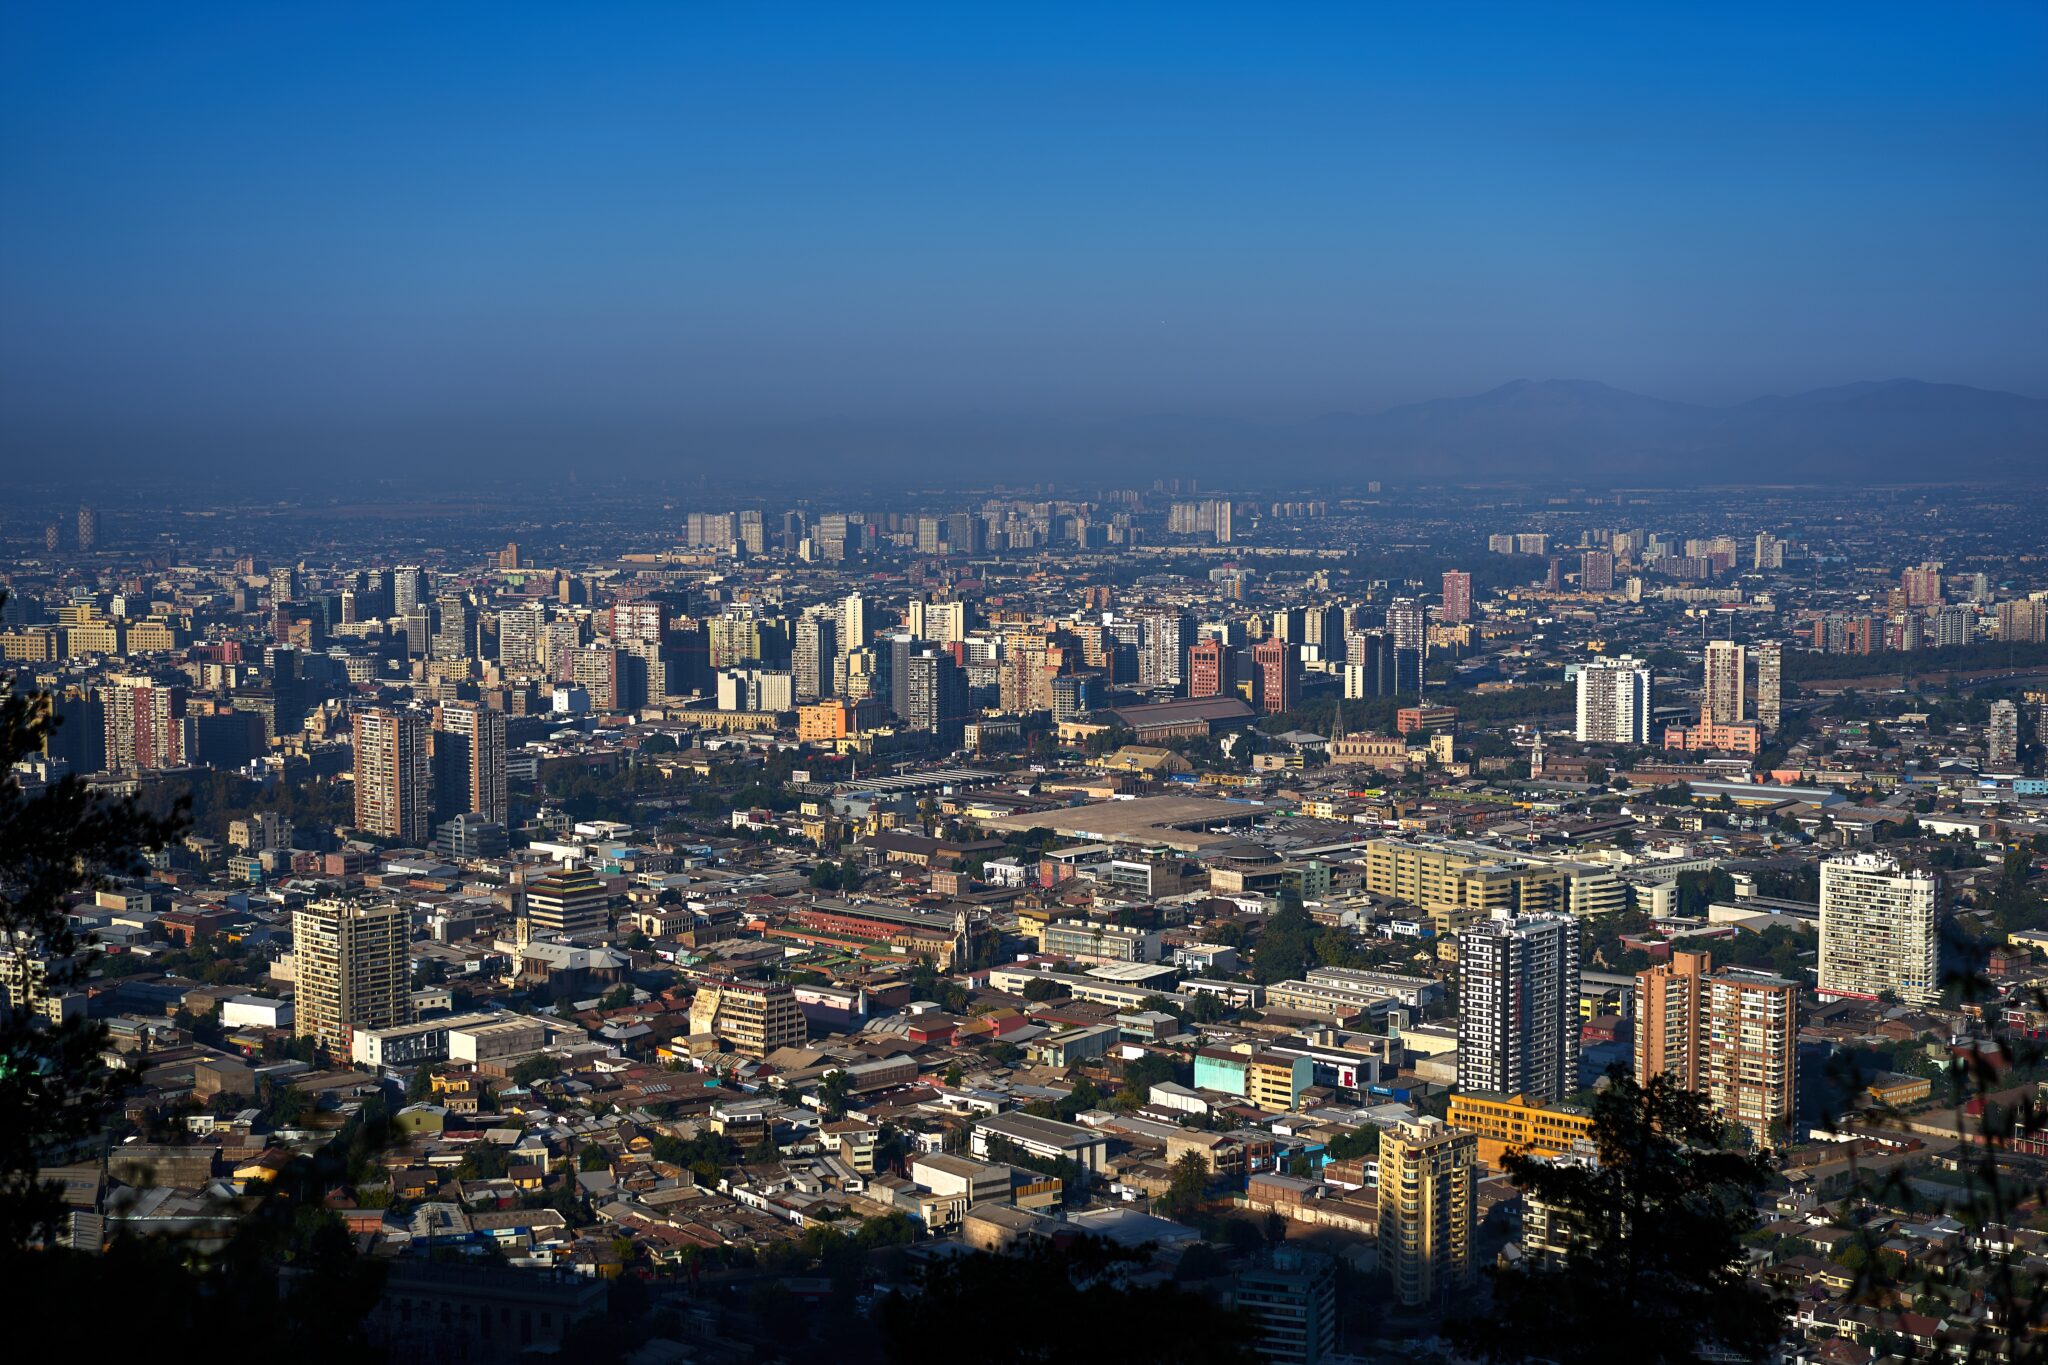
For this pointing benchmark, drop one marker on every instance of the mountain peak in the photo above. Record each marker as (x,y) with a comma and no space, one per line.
(1514,385)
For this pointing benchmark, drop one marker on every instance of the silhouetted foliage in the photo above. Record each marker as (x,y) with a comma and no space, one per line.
(54,1088)
(1654,1271)
(1079,1307)
(1287,945)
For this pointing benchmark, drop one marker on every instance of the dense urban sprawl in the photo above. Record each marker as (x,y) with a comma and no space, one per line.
(730,912)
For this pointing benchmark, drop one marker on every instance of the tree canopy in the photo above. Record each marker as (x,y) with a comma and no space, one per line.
(54,1088)
(1079,1306)
(1653,1270)
(1287,946)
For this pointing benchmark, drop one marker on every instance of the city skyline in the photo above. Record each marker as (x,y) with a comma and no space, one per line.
(1202,686)
(985,869)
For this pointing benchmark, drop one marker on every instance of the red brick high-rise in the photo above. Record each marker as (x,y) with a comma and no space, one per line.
(1457,597)
(1278,687)
(1212,669)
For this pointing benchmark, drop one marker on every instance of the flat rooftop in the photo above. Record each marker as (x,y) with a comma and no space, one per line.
(918,781)
(1176,822)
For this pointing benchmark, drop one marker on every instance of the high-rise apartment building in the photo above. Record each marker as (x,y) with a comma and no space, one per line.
(1596,571)
(1670,1004)
(1370,665)
(1770,672)
(733,638)
(1922,585)
(1750,1034)
(408,589)
(853,623)
(1457,597)
(607,674)
(1408,624)
(1277,683)
(1291,1300)
(811,657)
(939,623)
(755,689)
(559,641)
(1879,931)
(644,620)
(1408,628)
(935,692)
(1614,701)
(1074,695)
(1210,518)
(2002,735)
(88,528)
(1426,1205)
(394,776)
(1839,634)
(1723,700)
(753,532)
(2023,621)
(1732,1034)
(966,534)
(1212,669)
(1770,552)
(469,761)
(350,970)
(455,628)
(752,1017)
(519,634)
(830,539)
(145,724)
(1518,1005)
(711,530)
(1163,648)
(1407,665)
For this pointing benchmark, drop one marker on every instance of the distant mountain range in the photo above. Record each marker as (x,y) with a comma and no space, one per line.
(1900,430)
(1530,431)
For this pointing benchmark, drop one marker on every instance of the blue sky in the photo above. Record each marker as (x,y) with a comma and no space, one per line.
(226,226)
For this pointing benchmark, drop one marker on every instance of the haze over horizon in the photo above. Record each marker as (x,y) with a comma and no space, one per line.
(402,237)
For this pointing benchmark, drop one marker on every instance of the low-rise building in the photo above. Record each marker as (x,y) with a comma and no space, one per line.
(1517,1123)
(1046,1139)
(1276,1083)
(413,1044)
